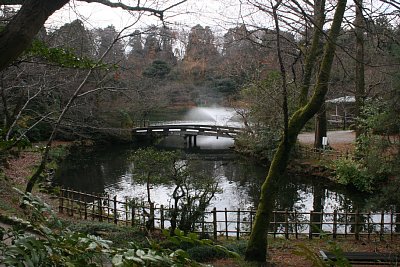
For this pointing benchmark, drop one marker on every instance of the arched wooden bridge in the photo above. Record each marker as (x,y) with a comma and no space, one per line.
(188,130)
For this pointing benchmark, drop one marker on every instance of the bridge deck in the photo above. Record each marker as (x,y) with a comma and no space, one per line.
(183,130)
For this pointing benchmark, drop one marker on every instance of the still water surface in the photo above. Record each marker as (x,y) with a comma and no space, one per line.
(109,170)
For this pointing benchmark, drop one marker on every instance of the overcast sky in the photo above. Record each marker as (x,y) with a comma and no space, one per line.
(219,15)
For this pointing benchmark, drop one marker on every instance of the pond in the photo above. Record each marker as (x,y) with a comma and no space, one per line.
(109,170)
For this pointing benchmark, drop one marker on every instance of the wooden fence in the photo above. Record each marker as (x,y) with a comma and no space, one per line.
(235,223)
(319,153)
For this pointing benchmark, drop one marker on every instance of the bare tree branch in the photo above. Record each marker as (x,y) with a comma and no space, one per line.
(157,12)
(30,98)
(393,3)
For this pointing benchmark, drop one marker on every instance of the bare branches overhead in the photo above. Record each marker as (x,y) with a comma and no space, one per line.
(157,12)
(32,15)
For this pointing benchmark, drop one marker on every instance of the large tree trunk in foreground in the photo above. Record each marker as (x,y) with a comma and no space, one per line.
(257,246)
(19,33)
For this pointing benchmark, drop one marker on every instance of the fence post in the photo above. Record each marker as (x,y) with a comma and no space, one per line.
(369,225)
(296,225)
(162,216)
(93,206)
(108,208)
(391,224)
(310,230)
(321,225)
(84,199)
(334,224)
(274,216)
(286,224)
(72,204)
(152,216)
(345,224)
(115,210)
(126,210)
(238,225)
(357,225)
(100,213)
(251,220)
(68,204)
(226,223)
(215,223)
(133,213)
(61,201)
(202,225)
(80,205)
(382,230)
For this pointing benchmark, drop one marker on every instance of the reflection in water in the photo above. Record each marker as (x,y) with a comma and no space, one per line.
(108,170)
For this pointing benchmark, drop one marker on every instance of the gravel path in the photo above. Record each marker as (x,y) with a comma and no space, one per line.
(341,140)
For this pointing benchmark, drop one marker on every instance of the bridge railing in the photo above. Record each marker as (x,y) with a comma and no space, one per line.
(181,129)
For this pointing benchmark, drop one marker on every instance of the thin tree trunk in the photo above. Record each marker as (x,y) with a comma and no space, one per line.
(36,176)
(360,78)
(320,126)
(318,207)
(314,51)
(257,246)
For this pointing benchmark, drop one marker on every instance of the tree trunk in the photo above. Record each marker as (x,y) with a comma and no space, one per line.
(318,207)
(314,51)
(360,78)
(320,127)
(257,246)
(20,31)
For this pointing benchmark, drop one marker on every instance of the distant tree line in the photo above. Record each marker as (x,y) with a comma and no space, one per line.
(160,67)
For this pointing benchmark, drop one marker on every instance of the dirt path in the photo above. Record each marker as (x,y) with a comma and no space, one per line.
(339,140)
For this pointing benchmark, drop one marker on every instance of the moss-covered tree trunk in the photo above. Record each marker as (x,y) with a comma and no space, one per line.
(313,52)
(257,246)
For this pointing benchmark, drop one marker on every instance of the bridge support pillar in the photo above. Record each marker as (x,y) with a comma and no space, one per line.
(190,140)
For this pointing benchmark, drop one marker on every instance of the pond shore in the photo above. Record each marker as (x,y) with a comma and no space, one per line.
(18,168)
(281,251)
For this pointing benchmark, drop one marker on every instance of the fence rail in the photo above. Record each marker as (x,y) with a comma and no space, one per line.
(319,153)
(234,223)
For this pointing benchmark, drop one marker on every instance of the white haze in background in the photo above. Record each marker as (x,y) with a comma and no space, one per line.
(219,15)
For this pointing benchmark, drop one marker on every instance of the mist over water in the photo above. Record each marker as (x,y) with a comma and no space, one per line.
(220,116)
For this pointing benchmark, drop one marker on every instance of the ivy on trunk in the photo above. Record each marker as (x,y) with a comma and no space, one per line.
(256,249)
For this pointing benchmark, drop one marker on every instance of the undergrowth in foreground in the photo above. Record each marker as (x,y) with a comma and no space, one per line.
(42,239)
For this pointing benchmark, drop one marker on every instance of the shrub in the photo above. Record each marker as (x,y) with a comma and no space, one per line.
(350,172)
(238,247)
(200,250)
(60,246)
(206,253)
